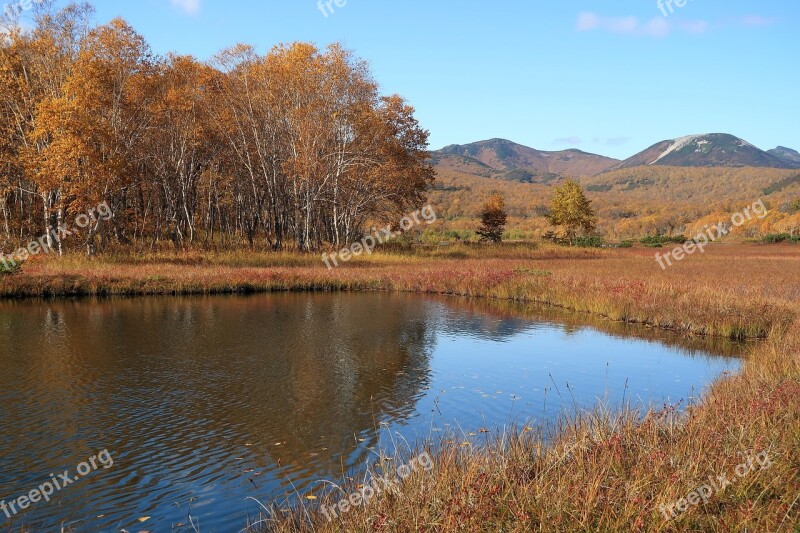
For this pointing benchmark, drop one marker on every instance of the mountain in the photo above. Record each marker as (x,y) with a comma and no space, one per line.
(786,154)
(709,150)
(504,159)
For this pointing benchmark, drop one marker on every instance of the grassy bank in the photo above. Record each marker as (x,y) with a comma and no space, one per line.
(604,471)
(610,472)
(732,291)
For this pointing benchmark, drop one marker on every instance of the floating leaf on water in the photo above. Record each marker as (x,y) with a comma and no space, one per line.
(144,518)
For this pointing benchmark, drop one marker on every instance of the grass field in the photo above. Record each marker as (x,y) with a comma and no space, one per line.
(604,471)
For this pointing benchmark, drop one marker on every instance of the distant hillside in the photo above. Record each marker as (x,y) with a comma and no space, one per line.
(631,202)
(701,186)
(786,154)
(710,150)
(700,179)
(507,160)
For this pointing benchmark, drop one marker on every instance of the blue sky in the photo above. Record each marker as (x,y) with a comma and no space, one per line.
(610,76)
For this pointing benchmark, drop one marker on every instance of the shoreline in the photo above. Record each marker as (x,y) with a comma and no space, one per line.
(601,470)
(560,279)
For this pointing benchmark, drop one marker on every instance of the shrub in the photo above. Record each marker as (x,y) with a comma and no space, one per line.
(493,219)
(587,242)
(775,238)
(10,268)
(659,240)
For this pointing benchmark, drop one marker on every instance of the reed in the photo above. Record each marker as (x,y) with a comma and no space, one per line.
(608,470)
(605,470)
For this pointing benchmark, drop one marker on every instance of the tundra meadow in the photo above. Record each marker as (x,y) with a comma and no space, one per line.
(280,297)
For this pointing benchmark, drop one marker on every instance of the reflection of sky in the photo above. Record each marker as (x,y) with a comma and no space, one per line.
(214,400)
(532,371)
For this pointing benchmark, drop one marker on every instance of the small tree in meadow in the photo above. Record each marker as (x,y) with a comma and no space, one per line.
(571,209)
(493,219)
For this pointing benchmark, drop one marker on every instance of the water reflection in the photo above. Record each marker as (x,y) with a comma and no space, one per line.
(205,401)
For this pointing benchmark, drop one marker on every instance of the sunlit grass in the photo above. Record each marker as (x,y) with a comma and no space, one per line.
(603,470)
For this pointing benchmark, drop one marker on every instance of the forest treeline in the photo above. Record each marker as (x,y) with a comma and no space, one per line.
(631,203)
(292,149)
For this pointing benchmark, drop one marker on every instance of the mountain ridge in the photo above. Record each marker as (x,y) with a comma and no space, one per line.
(706,150)
(504,159)
(782,152)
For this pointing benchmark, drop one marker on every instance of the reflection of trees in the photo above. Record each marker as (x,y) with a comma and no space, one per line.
(328,368)
(313,372)
(182,385)
(456,317)
(502,319)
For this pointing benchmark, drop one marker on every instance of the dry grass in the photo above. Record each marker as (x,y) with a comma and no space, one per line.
(602,471)
(732,291)
(609,471)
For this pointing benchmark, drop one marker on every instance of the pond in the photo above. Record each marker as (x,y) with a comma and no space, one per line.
(202,403)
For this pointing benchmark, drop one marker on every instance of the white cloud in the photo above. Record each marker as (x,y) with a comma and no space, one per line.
(611,141)
(588,21)
(694,26)
(190,7)
(757,21)
(569,141)
(660,27)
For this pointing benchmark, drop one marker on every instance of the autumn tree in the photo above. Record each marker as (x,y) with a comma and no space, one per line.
(493,219)
(296,148)
(317,148)
(571,209)
(180,149)
(96,126)
(34,66)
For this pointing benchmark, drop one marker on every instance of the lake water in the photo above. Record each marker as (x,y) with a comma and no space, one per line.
(204,402)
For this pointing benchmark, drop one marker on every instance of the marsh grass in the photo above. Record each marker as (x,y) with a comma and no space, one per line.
(736,292)
(602,470)
(606,469)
